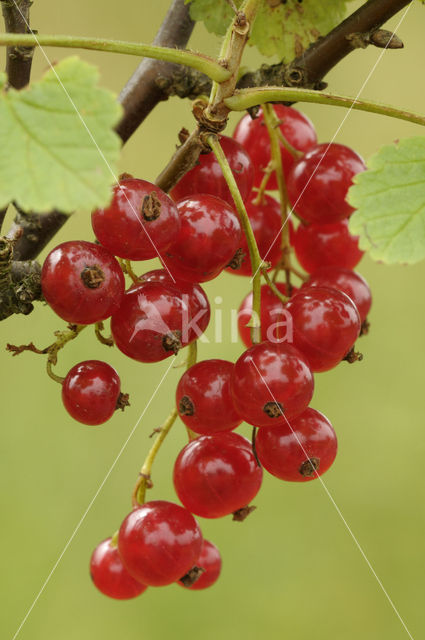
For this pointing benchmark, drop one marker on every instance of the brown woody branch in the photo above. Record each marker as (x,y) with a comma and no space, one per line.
(155,81)
(147,85)
(19,59)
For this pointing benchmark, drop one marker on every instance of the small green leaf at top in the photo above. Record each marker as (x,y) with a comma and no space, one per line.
(390,202)
(284,28)
(58,149)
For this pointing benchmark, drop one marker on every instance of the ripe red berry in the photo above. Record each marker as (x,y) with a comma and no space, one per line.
(204,400)
(347,281)
(253,135)
(193,296)
(271,382)
(148,326)
(140,222)
(300,450)
(210,562)
(209,238)
(274,318)
(207,176)
(319,182)
(326,245)
(326,325)
(82,282)
(90,392)
(266,223)
(159,542)
(109,574)
(217,475)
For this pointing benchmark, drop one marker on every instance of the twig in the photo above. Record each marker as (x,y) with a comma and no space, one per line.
(19,58)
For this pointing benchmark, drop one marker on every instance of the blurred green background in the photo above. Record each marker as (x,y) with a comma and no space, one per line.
(291,570)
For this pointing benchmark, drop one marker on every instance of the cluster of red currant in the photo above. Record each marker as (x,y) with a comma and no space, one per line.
(197,234)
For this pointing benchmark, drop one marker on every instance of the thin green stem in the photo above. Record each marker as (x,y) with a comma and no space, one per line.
(139,493)
(144,481)
(273,287)
(288,146)
(205,64)
(272,123)
(256,262)
(246,98)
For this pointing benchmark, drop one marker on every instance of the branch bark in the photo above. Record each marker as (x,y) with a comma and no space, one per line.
(147,86)
(326,53)
(155,81)
(19,59)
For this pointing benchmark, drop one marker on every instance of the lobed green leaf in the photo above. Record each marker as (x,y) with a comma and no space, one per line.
(390,202)
(285,30)
(48,159)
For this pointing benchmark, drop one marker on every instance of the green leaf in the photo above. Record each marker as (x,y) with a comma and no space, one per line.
(48,159)
(215,14)
(390,202)
(285,30)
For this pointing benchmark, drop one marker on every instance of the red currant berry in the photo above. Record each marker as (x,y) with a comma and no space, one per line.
(319,182)
(140,222)
(326,245)
(194,297)
(300,450)
(266,223)
(148,326)
(207,176)
(109,575)
(159,542)
(253,135)
(347,281)
(271,383)
(204,400)
(82,282)
(274,318)
(90,392)
(209,238)
(210,562)
(326,324)
(217,475)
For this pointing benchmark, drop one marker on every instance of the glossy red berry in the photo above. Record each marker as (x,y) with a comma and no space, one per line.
(347,281)
(209,237)
(159,542)
(204,400)
(148,326)
(140,222)
(326,245)
(274,318)
(300,450)
(90,392)
(194,298)
(271,382)
(210,562)
(217,475)
(318,183)
(326,325)
(253,135)
(207,176)
(110,576)
(266,223)
(82,282)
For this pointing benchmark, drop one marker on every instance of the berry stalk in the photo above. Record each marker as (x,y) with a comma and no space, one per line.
(272,124)
(144,481)
(246,98)
(205,64)
(254,254)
